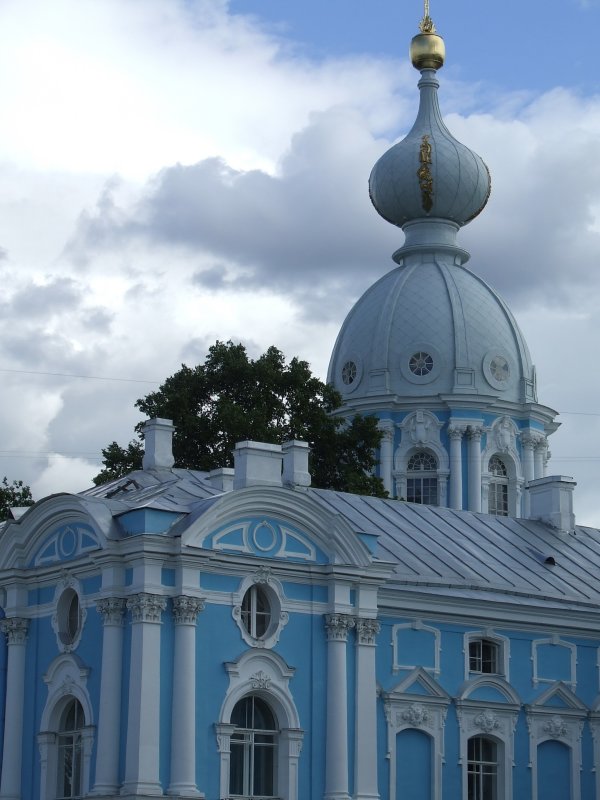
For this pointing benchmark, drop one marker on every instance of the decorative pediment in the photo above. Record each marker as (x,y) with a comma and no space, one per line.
(66,543)
(558,696)
(488,689)
(418,682)
(278,523)
(266,537)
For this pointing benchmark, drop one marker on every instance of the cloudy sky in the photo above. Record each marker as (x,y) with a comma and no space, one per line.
(177,171)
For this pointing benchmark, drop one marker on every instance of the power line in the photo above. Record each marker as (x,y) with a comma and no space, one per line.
(69,375)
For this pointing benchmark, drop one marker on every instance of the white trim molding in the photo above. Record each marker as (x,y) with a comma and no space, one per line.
(266,675)
(421,431)
(66,582)
(416,625)
(555,641)
(66,679)
(562,722)
(495,720)
(273,590)
(417,702)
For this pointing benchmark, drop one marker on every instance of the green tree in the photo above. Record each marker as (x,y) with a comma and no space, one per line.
(231,398)
(13,495)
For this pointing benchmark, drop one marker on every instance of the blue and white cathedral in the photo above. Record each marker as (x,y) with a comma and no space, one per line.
(239,635)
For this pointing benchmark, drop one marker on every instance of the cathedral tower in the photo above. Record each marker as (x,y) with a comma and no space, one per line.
(430,348)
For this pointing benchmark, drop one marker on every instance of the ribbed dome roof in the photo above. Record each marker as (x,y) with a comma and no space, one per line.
(429,173)
(431,328)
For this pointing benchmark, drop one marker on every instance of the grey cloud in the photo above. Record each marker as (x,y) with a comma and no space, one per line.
(212,278)
(57,296)
(311,232)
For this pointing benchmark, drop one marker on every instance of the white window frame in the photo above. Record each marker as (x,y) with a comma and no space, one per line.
(563,723)
(495,720)
(273,591)
(266,675)
(556,641)
(503,645)
(416,625)
(420,430)
(424,710)
(496,763)
(66,586)
(66,679)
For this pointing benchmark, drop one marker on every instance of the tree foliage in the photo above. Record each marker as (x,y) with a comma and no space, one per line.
(232,398)
(13,495)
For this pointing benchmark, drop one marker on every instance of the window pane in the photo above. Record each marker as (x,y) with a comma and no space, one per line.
(236,768)
(264,761)
(253,747)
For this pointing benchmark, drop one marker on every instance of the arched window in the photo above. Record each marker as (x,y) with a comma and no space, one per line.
(498,490)
(421,479)
(70,752)
(253,750)
(482,769)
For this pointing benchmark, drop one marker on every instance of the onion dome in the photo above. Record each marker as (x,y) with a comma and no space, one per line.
(429,174)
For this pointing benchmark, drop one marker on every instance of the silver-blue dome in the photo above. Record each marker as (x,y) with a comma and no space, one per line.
(431,328)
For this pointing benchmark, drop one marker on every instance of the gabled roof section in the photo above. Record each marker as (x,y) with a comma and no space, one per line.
(473,555)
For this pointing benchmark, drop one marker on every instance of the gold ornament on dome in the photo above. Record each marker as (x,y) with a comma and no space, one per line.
(426,25)
(424,173)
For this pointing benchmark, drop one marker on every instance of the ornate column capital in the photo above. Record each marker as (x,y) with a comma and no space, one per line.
(528,440)
(111,609)
(146,607)
(386,426)
(338,626)
(186,609)
(366,630)
(475,432)
(15,629)
(456,432)
(542,443)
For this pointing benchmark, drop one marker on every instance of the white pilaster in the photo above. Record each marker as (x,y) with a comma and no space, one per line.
(183,721)
(527,443)
(15,629)
(143,726)
(107,755)
(455,434)
(541,448)
(336,763)
(386,456)
(474,436)
(365,785)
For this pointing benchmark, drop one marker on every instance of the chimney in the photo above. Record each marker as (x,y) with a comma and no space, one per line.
(551,501)
(295,463)
(158,444)
(257,464)
(222,478)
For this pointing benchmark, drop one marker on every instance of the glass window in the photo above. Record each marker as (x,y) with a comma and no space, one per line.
(420,486)
(253,750)
(69,616)
(256,612)
(482,769)
(498,489)
(484,656)
(70,752)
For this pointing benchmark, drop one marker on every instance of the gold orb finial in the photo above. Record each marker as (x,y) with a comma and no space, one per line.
(427,49)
